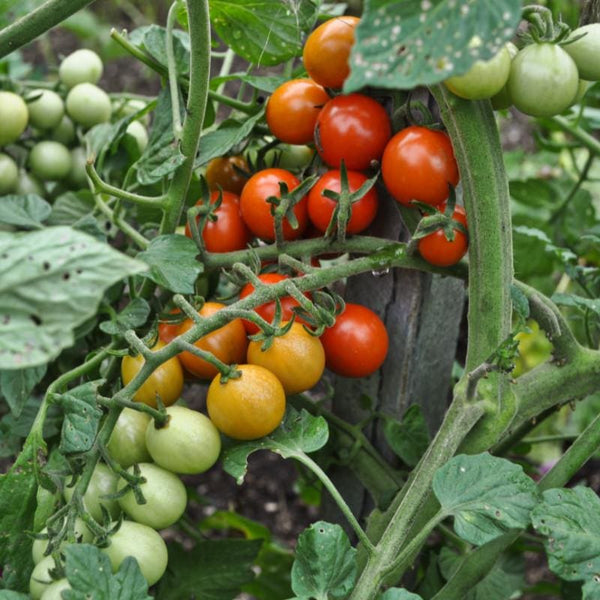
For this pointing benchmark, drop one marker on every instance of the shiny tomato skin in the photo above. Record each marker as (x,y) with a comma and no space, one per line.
(296,358)
(438,250)
(248,407)
(327,50)
(256,211)
(228,232)
(227,173)
(419,164)
(293,108)
(228,344)
(357,344)
(353,128)
(267,311)
(320,208)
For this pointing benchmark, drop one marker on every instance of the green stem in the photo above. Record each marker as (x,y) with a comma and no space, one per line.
(590,142)
(249,108)
(123,225)
(338,498)
(542,439)
(172,72)
(36,22)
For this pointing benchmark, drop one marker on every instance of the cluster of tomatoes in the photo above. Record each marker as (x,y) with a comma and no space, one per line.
(40,130)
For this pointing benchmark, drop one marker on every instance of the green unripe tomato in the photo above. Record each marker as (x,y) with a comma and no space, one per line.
(13,117)
(144,544)
(54,590)
(102,482)
(502,100)
(483,79)
(46,111)
(88,105)
(127,444)
(124,108)
(543,80)
(82,66)
(82,535)
(586,51)
(189,443)
(64,132)
(28,184)
(139,133)
(40,578)
(50,160)
(289,156)
(77,175)
(9,174)
(164,493)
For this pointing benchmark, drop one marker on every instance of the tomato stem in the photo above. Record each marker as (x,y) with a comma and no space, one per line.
(172,72)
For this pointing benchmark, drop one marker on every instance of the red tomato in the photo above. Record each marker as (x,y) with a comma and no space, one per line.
(167,332)
(267,311)
(320,208)
(256,211)
(227,172)
(357,344)
(418,164)
(228,232)
(438,250)
(352,128)
(293,109)
(327,50)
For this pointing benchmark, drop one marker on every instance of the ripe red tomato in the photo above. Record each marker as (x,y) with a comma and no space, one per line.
(438,250)
(320,208)
(256,211)
(228,232)
(419,164)
(293,109)
(327,50)
(357,344)
(167,332)
(227,172)
(353,128)
(267,311)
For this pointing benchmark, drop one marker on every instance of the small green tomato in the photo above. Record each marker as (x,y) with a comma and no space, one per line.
(82,66)
(28,184)
(139,133)
(9,174)
(64,132)
(54,590)
(13,117)
(47,110)
(586,51)
(88,105)
(41,579)
(50,161)
(77,175)
(127,444)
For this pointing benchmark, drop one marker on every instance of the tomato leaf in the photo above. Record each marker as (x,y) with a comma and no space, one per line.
(399,594)
(580,302)
(153,39)
(263,32)
(486,495)
(82,417)
(400,45)
(409,437)
(325,564)
(90,575)
(16,385)
(8,595)
(17,508)
(51,281)
(134,315)
(570,520)
(172,261)
(25,212)
(70,207)
(213,570)
(300,433)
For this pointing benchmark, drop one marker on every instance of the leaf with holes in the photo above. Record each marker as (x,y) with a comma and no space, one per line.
(25,212)
(300,433)
(570,520)
(325,565)
(51,281)
(486,495)
(262,31)
(400,45)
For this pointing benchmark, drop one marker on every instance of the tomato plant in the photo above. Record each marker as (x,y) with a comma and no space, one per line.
(354,129)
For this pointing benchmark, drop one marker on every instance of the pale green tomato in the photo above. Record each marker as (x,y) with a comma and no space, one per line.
(102,482)
(40,578)
(47,110)
(127,444)
(64,132)
(28,184)
(483,79)
(9,174)
(50,161)
(82,535)
(144,544)
(88,105)
(139,133)
(502,100)
(54,590)
(13,117)
(189,443)
(82,66)
(77,175)
(586,51)
(289,156)
(164,493)
(124,108)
